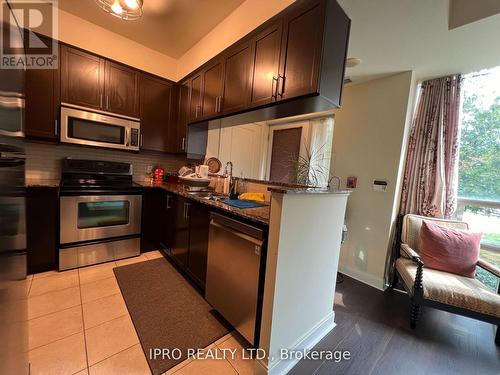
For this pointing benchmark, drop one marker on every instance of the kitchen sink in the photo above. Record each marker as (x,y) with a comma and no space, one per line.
(207,195)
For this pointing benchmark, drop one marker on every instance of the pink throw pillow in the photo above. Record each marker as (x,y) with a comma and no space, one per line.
(450,250)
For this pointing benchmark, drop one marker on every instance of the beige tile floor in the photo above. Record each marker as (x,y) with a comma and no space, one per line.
(79,324)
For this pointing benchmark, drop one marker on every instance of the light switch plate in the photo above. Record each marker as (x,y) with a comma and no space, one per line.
(380,185)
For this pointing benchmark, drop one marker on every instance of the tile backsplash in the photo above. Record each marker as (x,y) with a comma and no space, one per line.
(43,161)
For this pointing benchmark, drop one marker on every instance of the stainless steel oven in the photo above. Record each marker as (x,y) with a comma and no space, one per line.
(87,218)
(102,129)
(100,212)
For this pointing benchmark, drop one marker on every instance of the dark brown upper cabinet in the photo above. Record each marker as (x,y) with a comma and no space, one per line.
(296,66)
(195,97)
(266,56)
(91,81)
(212,84)
(158,130)
(82,78)
(301,49)
(238,64)
(121,89)
(42,103)
(182,117)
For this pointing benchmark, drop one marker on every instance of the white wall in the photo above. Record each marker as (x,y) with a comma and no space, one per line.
(240,22)
(86,35)
(369,142)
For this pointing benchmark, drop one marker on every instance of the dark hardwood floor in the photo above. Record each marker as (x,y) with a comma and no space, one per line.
(374,326)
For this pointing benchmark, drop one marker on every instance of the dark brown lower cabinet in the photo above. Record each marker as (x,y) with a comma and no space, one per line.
(199,224)
(184,234)
(179,222)
(153,200)
(167,222)
(42,227)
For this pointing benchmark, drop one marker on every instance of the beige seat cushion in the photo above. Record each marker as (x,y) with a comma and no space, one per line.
(451,289)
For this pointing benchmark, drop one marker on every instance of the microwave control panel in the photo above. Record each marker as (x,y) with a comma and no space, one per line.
(134,137)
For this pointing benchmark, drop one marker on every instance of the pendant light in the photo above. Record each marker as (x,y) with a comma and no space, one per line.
(125,9)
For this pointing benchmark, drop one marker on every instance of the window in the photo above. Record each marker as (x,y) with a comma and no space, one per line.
(102,214)
(479,163)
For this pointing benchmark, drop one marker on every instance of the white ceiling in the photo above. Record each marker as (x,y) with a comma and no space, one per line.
(397,35)
(168,26)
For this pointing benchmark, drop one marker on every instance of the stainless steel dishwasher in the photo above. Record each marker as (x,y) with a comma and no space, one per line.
(234,251)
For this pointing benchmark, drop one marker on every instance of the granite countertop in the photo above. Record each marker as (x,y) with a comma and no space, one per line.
(42,182)
(258,215)
(285,190)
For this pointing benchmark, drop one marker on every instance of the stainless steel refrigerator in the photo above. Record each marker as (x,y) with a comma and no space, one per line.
(13,254)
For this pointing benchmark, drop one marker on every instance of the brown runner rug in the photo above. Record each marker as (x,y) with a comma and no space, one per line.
(166,310)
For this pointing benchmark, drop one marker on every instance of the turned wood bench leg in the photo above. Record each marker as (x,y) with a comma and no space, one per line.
(414,314)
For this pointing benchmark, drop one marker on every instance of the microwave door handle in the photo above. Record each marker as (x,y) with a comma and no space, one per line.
(127,137)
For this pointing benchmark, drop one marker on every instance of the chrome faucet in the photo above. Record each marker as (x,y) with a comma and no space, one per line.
(339,180)
(232,190)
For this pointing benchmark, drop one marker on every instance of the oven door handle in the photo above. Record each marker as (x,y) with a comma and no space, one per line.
(11,162)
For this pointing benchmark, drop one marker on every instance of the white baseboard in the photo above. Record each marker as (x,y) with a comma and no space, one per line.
(363,277)
(306,342)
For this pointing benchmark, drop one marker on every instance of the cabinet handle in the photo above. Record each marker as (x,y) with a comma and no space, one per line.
(282,91)
(55,128)
(183,144)
(107,102)
(220,103)
(142,140)
(168,202)
(274,88)
(100,100)
(186,210)
(216,104)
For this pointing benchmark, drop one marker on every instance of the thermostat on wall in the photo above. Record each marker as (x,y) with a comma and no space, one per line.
(379,185)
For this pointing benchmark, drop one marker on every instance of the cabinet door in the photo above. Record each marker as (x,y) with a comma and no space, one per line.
(42,104)
(237,73)
(153,200)
(42,222)
(167,222)
(301,50)
(212,89)
(182,117)
(157,125)
(199,223)
(180,239)
(82,78)
(266,54)
(121,90)
(195,94)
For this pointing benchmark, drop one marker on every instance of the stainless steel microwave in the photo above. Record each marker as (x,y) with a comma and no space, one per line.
(85,126)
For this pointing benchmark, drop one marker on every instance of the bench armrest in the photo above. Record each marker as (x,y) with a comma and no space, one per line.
(411,254)
(418,286)
(491,268)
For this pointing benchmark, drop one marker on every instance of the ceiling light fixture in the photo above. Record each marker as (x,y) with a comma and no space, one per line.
(125,9)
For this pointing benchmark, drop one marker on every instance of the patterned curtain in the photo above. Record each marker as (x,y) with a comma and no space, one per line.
(430,180)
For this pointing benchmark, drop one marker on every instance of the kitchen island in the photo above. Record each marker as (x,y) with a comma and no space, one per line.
(305,233)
